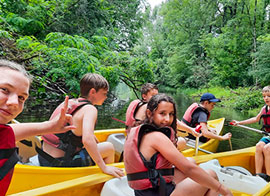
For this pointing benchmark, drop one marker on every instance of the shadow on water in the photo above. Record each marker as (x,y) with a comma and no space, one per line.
(116,108)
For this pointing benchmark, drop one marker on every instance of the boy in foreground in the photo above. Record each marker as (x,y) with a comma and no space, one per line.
(14,91)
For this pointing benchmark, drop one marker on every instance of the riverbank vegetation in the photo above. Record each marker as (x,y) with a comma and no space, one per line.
(244,99)
(218,46)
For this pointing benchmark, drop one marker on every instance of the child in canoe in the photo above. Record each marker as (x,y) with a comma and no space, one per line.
(136,113)
(136,110)
(79,147)
(198,114)
(262,155)
(150,155)
(14,91)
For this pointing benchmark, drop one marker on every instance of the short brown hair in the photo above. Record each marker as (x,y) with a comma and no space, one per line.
(148,87)
(15,66)
(92,80)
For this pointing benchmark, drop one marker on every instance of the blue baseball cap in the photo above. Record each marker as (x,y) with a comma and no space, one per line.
(209,97)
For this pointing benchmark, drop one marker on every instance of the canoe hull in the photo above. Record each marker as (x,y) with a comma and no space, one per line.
(92,184)
(34,176)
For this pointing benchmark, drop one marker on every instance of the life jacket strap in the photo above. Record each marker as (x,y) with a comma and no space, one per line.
(27,143)
(10,163)
(6,153)
(150,174)
(186,122)
(155,176)
(48,157)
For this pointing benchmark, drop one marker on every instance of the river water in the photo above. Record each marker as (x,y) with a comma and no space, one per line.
(116,108)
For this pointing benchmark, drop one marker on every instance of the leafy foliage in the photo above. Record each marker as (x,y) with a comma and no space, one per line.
(60,41)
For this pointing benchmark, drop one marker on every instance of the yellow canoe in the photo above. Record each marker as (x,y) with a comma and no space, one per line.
(92,184)
(28,177)
(210,145)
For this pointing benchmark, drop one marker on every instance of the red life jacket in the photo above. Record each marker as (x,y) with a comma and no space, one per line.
(187,118)
(68,142)
(131,113)
(144,174)
(8,157)
(266,119)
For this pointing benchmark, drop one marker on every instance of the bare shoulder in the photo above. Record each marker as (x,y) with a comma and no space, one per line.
(87,110)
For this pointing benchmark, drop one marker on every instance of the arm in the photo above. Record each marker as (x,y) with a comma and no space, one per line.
(57,125)
(250,120)
(90,143)
(210,134)
(183,164)
(182,126)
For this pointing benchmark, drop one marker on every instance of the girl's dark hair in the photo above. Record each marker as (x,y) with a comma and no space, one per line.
(153,104)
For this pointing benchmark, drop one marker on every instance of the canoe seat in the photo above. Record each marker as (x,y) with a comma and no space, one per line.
(235,177)
(117,187)
(118,141)
(27,148)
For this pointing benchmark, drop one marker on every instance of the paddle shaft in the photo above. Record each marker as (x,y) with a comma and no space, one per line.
(200,149)
(253,129)
(230,143)
(196,146)
(121,121)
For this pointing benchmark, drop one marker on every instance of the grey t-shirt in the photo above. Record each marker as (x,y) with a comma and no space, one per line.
(199,116)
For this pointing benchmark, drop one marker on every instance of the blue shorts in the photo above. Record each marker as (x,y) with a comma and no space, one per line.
(265,139)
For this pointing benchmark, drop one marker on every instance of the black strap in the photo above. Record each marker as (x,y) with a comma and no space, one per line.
(186,122)
(121,158)
(6,153)
(153,173)
(9,164)
(48,157)
(79,107)
(27,143)
(140,104)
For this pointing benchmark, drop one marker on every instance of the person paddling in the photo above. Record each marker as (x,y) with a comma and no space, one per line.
(153,164)
(262,154)
(198,114)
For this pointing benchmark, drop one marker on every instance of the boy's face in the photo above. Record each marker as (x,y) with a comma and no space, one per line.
(210,105)
(146,97)
(98,97)
(14,90)
(266,98)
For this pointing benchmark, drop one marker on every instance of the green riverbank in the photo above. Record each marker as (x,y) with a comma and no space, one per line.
(248,100)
